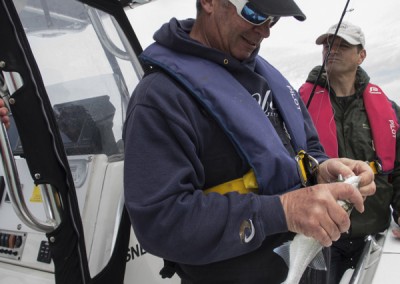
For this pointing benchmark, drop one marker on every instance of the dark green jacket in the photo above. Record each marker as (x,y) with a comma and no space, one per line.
(355,142)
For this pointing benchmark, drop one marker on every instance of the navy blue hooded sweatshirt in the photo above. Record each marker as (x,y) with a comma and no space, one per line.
(174,149)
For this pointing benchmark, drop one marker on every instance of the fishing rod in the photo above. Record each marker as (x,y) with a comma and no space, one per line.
(327,54)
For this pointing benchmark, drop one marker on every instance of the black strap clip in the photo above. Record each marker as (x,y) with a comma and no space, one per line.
(307,167)
(168,270)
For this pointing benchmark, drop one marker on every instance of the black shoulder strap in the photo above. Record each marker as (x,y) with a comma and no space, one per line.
(396,108)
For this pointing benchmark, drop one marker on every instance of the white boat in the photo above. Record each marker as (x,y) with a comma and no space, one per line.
(68,70)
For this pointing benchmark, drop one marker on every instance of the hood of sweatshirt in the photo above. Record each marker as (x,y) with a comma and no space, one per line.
(175,36)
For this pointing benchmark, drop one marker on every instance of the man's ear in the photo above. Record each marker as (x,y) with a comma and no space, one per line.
(363,55)
(208,5)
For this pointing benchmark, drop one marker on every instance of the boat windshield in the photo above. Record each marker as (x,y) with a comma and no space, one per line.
(88,69)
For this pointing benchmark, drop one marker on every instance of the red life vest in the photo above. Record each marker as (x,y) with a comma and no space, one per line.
(383,126)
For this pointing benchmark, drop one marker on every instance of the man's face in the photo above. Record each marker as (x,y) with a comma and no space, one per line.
(344,58)
(232,34)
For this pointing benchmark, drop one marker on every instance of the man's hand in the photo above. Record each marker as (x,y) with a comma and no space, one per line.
(4,114)
(330,170)
(396,231)
(314,211)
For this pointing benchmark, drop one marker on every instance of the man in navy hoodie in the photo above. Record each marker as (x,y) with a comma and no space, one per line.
(221,153)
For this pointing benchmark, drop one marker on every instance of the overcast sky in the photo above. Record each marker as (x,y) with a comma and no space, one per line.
(291,47)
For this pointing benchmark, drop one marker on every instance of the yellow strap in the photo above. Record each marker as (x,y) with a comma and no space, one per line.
(300,166)
(248,182)
(372,166)
(244,185)
(375,166)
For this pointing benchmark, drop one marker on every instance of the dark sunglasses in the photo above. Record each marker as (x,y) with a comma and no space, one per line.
(249,13)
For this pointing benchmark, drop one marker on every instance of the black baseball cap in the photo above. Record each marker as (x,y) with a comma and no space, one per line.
(279,8)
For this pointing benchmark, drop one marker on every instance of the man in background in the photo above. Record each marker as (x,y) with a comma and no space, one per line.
(356,120)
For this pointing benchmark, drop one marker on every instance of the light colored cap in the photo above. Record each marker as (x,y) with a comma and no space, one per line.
(347,31)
